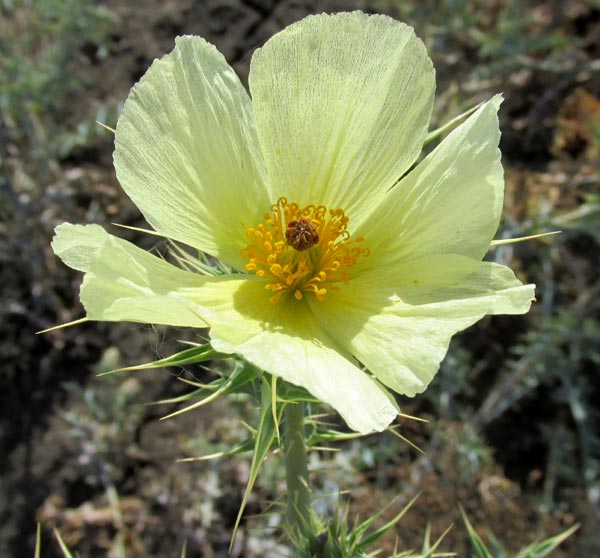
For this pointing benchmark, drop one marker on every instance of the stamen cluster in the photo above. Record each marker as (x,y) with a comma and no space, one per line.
(302,249)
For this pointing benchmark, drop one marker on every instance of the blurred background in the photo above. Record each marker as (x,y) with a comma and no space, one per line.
(513,433)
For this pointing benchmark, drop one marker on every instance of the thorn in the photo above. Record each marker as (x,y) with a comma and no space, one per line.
(61,326)
(105,127)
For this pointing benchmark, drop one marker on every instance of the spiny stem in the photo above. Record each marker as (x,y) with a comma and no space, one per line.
(296,468)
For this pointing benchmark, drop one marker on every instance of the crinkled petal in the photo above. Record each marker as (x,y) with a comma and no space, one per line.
(284,340)
(186,151)
(398,322)
(450,203)
(342,103)
(125,283)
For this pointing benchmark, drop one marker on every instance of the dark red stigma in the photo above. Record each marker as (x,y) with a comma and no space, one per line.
(301,235)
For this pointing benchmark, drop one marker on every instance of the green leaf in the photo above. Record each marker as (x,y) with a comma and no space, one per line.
(242,447)
(479,548)
(200,353)
(540,549)
(265,436)
(243,374)
(291,392)
(374,536)
(450,125)
(428,551)
(323,435)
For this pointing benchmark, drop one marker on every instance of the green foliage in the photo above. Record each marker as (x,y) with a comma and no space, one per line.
(266,434)
(41,37)
(505,34)
(537,549)
(103,422)
(194,355)
(544,376)
(553,355)
(40,44)
(87,131)
(584,219)
(339,537)
(66,553)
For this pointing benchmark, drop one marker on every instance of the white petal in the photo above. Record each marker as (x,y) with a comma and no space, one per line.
(398,322)
(284,340)
(77,245)
(342,104)
(450,203)
(186,151)
(125,283)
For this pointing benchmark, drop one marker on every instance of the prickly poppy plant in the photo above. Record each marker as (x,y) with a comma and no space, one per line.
(349,267)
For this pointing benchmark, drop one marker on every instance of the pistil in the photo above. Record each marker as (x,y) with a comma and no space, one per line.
(302,250)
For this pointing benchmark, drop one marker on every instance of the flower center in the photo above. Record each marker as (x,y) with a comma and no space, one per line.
(302,250)
(301,234)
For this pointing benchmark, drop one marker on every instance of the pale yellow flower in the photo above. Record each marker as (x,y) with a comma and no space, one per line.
(347,263)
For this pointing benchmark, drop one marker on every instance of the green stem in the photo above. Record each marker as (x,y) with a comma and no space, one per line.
(296,468)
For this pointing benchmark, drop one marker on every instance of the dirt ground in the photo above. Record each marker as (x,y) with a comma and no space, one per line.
(76,447)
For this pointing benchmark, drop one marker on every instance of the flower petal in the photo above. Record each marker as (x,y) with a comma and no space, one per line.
(77,245)
(186,151)
(399,322)
(450,203)
(342,104)
(284,340)
(125,283)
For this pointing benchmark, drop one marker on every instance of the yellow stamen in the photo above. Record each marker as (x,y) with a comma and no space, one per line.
(302,250)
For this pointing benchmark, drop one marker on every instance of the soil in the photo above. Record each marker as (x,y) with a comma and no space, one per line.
(63,459)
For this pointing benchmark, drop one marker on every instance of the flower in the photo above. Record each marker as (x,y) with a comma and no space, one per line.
(347,259)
